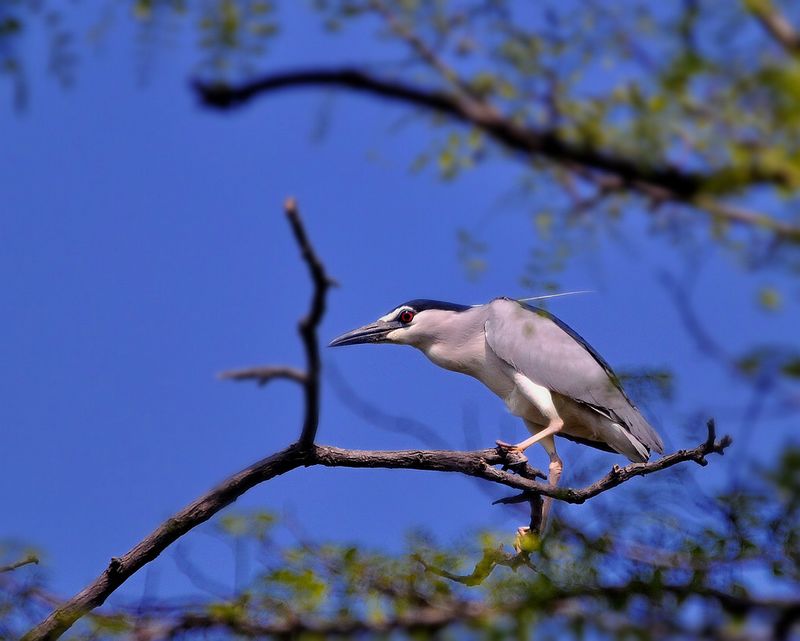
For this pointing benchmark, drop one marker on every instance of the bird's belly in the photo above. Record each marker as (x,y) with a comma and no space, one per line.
(519,405)
(578,421)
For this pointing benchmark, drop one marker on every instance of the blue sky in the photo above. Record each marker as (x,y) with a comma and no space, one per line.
(145,251)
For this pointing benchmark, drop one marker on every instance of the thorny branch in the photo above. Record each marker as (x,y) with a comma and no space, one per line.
(656,183)
(304,453)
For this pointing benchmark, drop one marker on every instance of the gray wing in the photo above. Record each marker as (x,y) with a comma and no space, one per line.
(553,355)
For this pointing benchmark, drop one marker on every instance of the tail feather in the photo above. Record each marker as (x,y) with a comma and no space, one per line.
(628,445)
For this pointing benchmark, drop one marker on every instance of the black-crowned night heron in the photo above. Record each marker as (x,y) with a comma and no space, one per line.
(542,369)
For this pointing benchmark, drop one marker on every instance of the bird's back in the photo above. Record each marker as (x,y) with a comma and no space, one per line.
(552,354)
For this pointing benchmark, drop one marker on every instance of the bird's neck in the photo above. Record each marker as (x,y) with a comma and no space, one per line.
(457,342)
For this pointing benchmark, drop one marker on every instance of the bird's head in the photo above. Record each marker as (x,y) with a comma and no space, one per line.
(417,323)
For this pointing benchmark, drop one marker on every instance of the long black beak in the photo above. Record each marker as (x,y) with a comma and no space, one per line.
(374,333)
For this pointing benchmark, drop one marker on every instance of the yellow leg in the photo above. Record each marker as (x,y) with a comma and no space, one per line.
(556,467)
(547,433)
(542,399)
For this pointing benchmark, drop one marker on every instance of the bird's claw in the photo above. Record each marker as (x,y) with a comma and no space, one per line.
(506,446)
(512,454)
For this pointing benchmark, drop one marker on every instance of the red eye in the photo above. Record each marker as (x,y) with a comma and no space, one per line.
(406,316)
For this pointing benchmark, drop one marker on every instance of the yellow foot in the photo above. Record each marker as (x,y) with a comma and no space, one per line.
(512,453)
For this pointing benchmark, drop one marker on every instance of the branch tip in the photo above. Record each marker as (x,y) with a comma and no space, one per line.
(290,206)
(31,559)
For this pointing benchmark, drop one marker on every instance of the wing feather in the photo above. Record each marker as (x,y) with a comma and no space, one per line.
(552,354)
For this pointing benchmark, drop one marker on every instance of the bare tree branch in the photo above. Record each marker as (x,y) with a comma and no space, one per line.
(659,183)
(265,374)
(122,568)
(308,325)
(478,464)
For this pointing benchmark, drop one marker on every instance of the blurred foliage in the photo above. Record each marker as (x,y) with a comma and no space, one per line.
(702,89)
(734,575)
(697,85)
(708,89)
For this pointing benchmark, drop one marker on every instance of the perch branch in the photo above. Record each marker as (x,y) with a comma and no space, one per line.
(478,464)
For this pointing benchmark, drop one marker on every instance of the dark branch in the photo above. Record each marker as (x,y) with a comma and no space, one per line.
(308,325)
(265,374)
(478,464)
(659,183)
(424,618)
(511,134)
(120,569)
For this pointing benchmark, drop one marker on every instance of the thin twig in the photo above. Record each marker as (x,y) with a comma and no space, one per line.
(264,374)
(426,53)
(122,568)
(28,560)
(308,325)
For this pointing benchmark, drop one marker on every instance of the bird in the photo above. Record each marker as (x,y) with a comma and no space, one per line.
(542,369)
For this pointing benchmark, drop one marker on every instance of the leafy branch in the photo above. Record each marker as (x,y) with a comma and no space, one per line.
(657,183)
